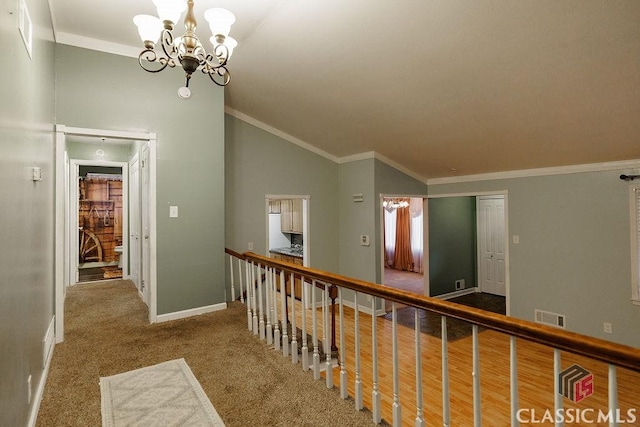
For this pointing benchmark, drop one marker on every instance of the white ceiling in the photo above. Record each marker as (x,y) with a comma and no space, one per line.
(474,85)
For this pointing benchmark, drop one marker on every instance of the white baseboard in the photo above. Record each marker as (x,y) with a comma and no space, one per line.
(49,341)
(458,293)
(364,309)
(49,345)
(191,312)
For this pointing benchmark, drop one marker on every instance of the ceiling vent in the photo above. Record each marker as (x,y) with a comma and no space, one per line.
(549,318)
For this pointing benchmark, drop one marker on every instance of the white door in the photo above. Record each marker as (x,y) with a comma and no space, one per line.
(134,224)
(491,245)
(144,197)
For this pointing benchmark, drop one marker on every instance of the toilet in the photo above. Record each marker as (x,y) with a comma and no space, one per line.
(118,250)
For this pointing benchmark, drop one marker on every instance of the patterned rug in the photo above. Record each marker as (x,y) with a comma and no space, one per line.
(166,394)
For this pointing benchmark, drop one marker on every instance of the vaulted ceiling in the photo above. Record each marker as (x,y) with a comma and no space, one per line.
(434,85)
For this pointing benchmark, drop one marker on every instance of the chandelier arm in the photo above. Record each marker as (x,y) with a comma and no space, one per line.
(169,48)
(150,56)
(220,71)
(201,55)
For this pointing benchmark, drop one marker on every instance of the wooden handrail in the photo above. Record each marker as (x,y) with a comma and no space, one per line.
(594,348)
(234,253)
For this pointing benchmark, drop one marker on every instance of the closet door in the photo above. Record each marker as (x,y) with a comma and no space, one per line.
(491,248)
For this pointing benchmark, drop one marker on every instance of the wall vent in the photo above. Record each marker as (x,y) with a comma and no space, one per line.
(549,318)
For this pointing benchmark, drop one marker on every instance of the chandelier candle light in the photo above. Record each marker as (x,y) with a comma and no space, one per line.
(187,49)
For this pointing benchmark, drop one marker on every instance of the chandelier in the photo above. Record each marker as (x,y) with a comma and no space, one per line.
(186,50)
(391,204)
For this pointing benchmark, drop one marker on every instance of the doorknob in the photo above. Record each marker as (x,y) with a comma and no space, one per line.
(147,236)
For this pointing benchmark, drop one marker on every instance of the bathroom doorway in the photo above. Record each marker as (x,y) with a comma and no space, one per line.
(99,201)
(100,220)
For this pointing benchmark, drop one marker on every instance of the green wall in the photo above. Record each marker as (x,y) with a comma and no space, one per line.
(104,91)
(259,163)
(452,243)
(86,151)
(357,219)
(27,213)
(573,256)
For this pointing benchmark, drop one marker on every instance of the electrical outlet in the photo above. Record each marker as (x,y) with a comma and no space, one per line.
(607,328)
(250,246)
(459,284)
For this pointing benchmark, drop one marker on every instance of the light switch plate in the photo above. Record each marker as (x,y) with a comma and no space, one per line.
(173,212)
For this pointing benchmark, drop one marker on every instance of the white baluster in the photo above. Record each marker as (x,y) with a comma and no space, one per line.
(397,409)
(417,334)
(613,396)
(305,347)
(513,363)
(276,323)
(446,417)
(375,393)
(268,303)
(248,277)
(477,408)
(285,325)
(557,399)
(233,288)
(314,334)
(240,280)
(344,392)
(260,303)
(358,383)
(255,301)
(327,337)
(294,332)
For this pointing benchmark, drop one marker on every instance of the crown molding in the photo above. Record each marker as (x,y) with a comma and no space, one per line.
(95,44)
(399,167)
(526,173)
(292,139)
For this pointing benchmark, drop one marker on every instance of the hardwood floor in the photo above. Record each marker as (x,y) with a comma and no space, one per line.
(535,374)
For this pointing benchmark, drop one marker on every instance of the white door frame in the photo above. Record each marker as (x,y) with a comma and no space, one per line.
(74,232)
(504,193)
(134,254)
(62,260)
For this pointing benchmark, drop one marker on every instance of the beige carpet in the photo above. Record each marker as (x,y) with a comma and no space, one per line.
(249,384)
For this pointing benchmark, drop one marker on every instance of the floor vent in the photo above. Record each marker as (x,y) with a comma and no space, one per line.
(548,318)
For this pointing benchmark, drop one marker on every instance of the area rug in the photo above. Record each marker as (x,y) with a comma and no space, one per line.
(167,394)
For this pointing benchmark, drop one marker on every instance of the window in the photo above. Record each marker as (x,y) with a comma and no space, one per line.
(634,202)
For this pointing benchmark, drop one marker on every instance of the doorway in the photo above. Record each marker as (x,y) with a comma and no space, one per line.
(67,190)
(403,230)
(101,214)
(468,247)
(287,237)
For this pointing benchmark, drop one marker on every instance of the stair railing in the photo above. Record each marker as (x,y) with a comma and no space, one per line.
(266,275)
